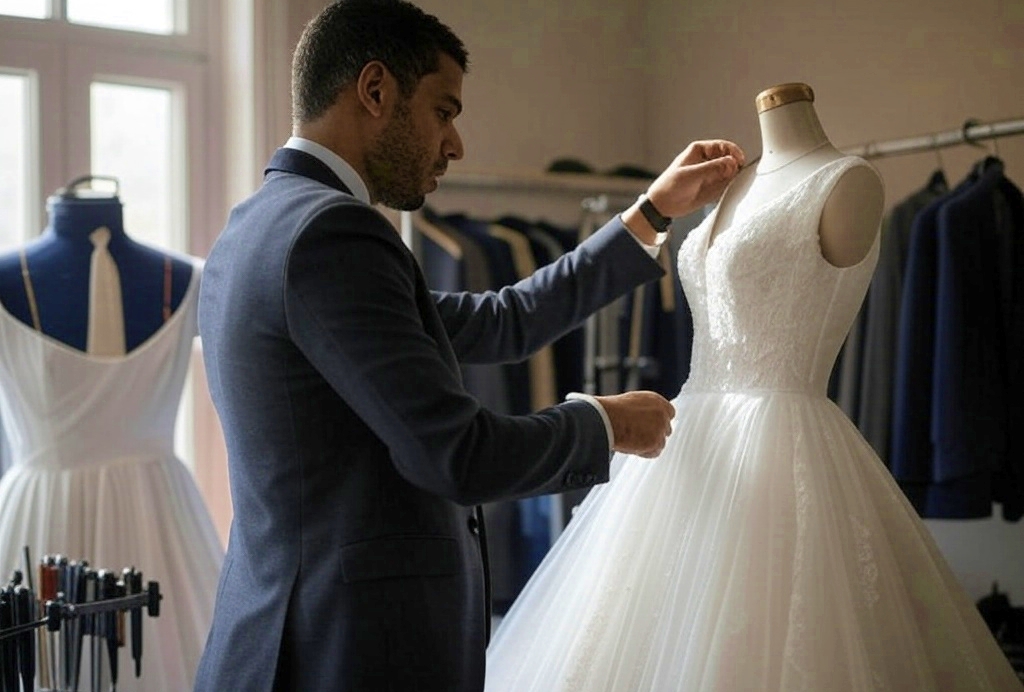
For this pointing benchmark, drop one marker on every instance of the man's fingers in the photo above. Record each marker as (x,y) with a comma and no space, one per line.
(710,149)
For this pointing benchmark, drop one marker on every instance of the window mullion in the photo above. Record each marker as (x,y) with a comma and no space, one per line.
(59,10)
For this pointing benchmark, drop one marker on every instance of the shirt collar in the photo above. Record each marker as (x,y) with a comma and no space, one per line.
(340,166)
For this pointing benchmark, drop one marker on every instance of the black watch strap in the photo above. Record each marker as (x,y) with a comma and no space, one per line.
(653,216)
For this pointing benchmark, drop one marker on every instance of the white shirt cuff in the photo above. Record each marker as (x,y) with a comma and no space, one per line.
(651,250)
(577,396)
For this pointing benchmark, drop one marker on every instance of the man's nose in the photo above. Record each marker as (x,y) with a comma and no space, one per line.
(454,150)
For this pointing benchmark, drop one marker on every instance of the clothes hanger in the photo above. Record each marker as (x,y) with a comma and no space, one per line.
(938,181)
(991,161)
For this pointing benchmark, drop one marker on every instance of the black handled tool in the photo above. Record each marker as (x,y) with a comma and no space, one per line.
(27,647)
(108,586)
(92,629)
(10,644)
(133,584)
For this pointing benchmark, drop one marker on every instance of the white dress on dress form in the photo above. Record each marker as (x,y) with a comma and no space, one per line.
(767,548)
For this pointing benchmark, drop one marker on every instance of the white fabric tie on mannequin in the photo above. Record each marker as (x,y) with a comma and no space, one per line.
(106,313)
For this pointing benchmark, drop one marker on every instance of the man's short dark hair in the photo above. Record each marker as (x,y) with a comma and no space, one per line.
(338,43)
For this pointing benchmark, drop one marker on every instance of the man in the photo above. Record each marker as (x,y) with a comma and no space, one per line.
(356,559)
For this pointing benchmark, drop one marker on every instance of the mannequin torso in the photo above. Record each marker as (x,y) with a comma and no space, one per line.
(58,264)
(794,146)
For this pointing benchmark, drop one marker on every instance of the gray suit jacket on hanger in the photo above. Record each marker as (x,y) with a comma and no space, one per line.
(355,559)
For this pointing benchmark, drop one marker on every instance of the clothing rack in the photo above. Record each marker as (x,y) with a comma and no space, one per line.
(971,132)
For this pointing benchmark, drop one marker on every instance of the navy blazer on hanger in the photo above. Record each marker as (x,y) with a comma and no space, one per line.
(973,413)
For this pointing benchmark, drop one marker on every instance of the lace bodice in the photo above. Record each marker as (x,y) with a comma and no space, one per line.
(769,312)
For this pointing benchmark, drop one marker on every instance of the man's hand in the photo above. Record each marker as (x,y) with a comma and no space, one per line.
(640,421)
(697,176)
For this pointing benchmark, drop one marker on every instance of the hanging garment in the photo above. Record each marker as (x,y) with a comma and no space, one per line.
(550,242)
(910,457)
(956,447)
(767,549)
(656,335)
(974,415)
(95,477)
(878,358)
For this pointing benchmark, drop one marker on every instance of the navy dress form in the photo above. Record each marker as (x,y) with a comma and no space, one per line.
(58,265)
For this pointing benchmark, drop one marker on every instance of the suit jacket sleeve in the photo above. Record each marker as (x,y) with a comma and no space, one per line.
(513,323)
(356,308)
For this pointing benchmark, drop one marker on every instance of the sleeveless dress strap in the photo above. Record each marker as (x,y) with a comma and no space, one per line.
(30,292)
(34,307)
(167,288)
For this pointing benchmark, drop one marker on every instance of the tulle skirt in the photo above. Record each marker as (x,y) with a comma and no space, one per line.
(140,512)
(767,548)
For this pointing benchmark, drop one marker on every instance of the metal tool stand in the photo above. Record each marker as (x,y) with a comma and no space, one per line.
(49,637)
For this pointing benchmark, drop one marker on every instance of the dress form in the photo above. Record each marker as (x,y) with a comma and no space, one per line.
(793,146)
(58,263)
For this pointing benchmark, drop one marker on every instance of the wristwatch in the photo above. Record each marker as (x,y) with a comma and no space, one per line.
(654,217)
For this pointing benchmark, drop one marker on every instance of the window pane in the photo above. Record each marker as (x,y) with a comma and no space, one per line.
(15,138)
(133,140)
(37,9)
(153,16)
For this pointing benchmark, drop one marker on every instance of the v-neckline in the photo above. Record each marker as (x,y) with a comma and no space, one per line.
(712,238)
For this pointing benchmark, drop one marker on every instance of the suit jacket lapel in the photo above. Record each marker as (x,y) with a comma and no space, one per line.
(300,163)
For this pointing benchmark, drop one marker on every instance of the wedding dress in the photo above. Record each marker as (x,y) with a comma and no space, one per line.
(767,548)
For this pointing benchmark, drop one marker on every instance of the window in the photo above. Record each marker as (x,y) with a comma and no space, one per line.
(36,9)
(114,88)
(153,16)
(148,16)
(16,139)
(133,134)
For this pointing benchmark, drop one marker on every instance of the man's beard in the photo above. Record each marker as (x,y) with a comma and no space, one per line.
(396,166)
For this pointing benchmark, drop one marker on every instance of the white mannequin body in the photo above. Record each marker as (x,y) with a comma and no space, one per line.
(794,145)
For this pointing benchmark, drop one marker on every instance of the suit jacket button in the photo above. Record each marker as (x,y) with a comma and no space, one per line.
(474,526)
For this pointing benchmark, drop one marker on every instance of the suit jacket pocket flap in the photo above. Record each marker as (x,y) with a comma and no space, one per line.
(407,556)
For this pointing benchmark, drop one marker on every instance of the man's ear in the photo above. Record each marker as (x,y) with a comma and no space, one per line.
(374,86)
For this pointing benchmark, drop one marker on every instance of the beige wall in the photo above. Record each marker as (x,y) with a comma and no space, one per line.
(549,79)
(546,80)
(880,70)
